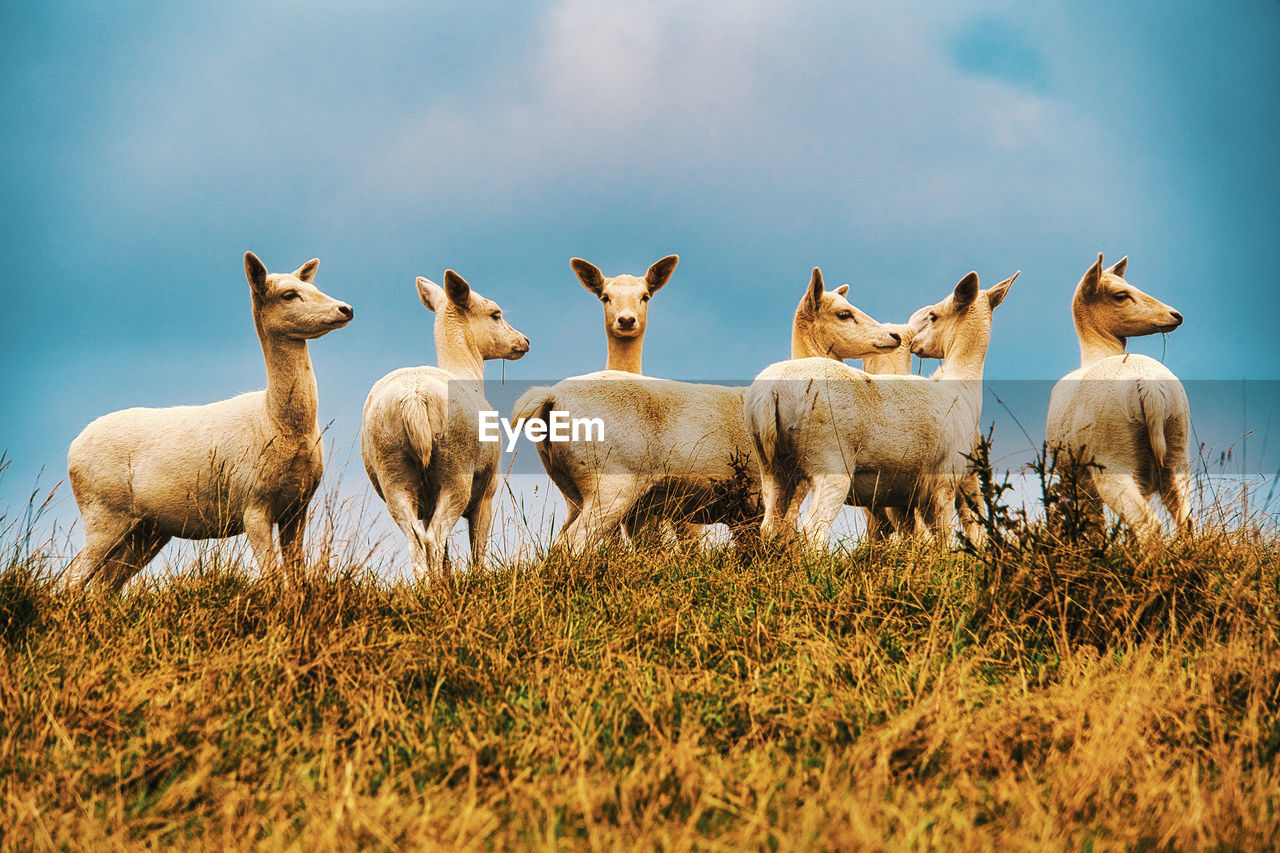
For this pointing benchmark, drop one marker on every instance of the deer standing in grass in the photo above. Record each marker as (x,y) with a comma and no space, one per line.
(882,521)
(626,311)
(1126,413)
(849,436)
(670,447)
(421,432)
(885,520)
(244,465)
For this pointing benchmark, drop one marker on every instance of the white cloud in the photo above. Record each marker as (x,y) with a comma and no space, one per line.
(868,105)
(758,103)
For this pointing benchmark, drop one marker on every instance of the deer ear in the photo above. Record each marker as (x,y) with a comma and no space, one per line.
(1092,281)
(967,290)
(814,295)
(997,294)
(843,290)
(457,289)
(1117,269)
(307,272)
(256,272)
(660,273)
(431,294)
(589,274)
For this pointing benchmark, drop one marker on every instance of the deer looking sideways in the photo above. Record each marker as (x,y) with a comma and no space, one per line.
(421,433)
(893,441)
(244,465)
(1126,413)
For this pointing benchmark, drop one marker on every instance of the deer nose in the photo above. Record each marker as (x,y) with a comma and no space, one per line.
(627,321)
(1177,318)
(346,311)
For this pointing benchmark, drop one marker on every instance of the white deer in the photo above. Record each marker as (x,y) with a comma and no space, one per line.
(626,308)
(884,520)
(1126,413)
(678,449)
(895,441)
(421,433)
(143,476)
(625,299)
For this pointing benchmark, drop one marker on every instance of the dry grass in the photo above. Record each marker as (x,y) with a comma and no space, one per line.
(1057,691)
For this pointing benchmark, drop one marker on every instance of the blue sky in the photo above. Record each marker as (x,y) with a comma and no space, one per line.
(148,145)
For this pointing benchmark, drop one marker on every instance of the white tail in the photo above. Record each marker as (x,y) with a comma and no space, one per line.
(766,414)
(534,403)
(1153,405)
(425,422)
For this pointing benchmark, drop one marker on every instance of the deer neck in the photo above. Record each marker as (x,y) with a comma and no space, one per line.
(292,396)
(961,374)
(456,352)
(624,354)
(1096,343)
(804,344)
(967,356)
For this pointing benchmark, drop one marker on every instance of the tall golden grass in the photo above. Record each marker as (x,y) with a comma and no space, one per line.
(1059,688)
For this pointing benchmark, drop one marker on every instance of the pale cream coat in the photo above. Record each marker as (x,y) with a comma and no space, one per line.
(1126,413)
(671,447)
(142,476)
(896,441)
(420,437)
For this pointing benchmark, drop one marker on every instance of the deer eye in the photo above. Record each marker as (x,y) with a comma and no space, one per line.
(497,315)
(290,295)
(604,299)
(933,317)
(1121,296)
(844,315)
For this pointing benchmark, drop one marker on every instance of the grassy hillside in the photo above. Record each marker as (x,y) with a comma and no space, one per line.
(1061,689)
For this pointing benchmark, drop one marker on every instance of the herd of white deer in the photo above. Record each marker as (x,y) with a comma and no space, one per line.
(674,455)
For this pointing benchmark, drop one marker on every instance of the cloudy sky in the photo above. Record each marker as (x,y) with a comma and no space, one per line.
(146,146)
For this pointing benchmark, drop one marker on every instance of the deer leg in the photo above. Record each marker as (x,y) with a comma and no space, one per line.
(880,523)
(450,505)
(781,506)
(104,535)
(826,498)
(138,549)
(479,520)
(1121,493)
(292,526)
(940,513)
(600,515)
(257,527)
(402,504)
(1175,493)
